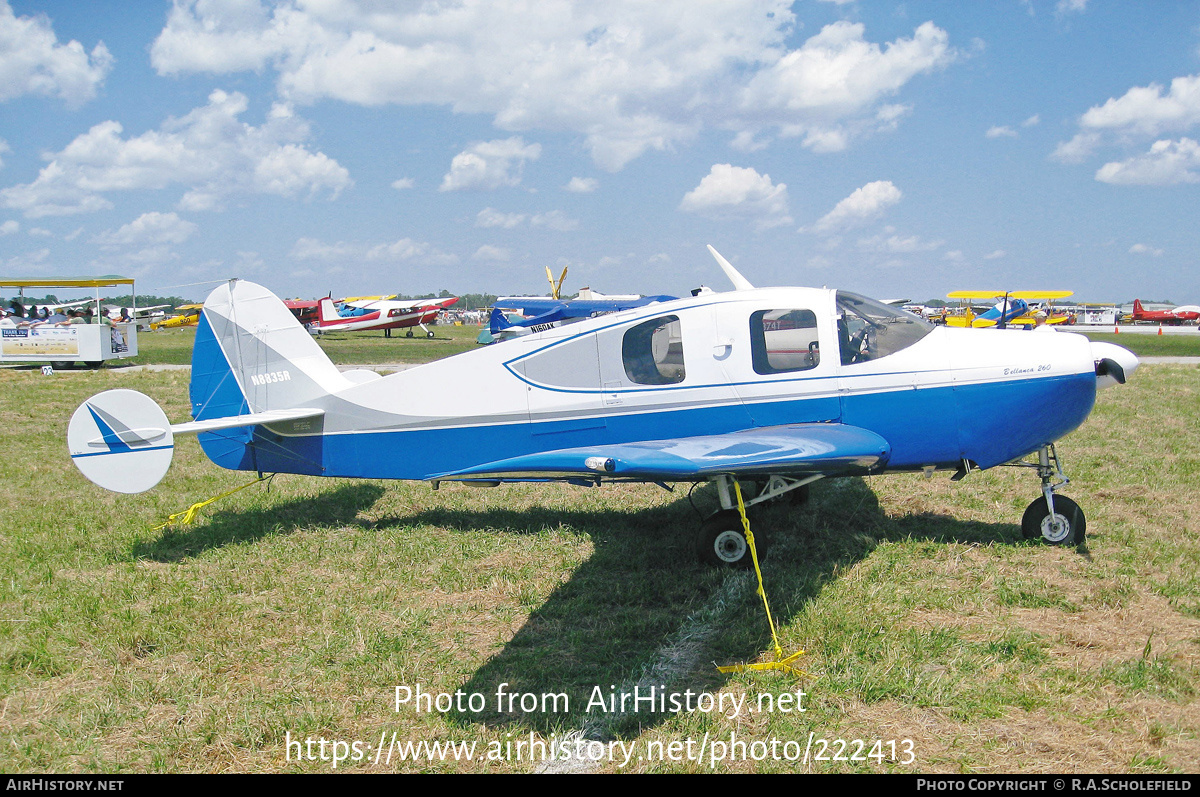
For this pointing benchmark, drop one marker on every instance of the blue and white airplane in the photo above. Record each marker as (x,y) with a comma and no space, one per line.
(782,386)
(543,312)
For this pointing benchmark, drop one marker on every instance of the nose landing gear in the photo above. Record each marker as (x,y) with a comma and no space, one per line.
(1056,519)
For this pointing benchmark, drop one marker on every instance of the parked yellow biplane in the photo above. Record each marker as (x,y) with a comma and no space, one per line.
(1012,309)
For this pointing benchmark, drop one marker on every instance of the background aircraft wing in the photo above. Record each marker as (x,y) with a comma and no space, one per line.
(827,448)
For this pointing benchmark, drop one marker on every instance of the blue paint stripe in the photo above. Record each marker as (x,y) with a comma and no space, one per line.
(127,450)
(987,423)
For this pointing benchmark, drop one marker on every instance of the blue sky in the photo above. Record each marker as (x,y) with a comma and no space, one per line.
(901,149)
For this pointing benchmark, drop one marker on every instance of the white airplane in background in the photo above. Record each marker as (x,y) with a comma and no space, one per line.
(385,314)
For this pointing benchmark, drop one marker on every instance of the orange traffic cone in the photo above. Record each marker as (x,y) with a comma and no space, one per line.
(1160,329)
(1116,330)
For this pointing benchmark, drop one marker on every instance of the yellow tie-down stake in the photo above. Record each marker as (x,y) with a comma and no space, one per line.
(781,662)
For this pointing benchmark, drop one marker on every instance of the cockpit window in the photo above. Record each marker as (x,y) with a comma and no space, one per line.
(653,352)
(868,330)
(784,340)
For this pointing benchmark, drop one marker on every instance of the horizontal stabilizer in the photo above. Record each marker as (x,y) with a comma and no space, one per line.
(251,419)
(122,440)
(826,448)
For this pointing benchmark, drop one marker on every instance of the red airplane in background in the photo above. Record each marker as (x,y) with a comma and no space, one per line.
(369,314)
(1176,315)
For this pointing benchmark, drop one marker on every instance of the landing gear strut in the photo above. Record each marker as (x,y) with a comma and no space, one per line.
(1056,519)
(721,540)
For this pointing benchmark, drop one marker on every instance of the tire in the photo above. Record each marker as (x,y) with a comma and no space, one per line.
(429,334)
(722,542)
(1069,530)
(408,334)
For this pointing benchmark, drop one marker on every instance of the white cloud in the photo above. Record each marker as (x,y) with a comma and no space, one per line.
(403,183)
(996,255)
(490,217)
(554,220)
(1032,121)
(490,165)
(40,232)
(1167,163)
(33,62)
(862,206)
(954,255)
(149,228)
(493,254)
(825,90)
(1001,131)
(1146,109)
(210,151)
(582,185)
(403,250)
(1143,249)
(736,192)
(627,75)
(897,244)
(3,149)
(1077,149)
(1070,6)
(10,227)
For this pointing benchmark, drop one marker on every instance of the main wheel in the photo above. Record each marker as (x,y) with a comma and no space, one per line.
(1066,526)
(722,541)
(429,334)
(408,334)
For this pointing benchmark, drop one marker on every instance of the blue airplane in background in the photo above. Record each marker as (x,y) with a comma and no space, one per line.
(782,386)
(542,313)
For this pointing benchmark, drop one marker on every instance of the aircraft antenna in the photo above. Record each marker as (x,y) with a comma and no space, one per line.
(740,283)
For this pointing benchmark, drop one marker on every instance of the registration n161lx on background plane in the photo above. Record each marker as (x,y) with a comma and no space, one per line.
(783,386)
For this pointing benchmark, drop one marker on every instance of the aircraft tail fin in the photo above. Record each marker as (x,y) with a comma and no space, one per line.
(327,311)
(1137,307)
(498,321)
(251,355)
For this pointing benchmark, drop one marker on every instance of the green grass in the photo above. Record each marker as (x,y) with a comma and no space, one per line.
(1143,345)
(297,608)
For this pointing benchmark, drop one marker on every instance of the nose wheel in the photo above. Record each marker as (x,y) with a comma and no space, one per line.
(1055,519)
(1064,525)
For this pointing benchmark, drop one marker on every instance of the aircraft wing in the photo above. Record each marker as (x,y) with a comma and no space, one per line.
(809,448)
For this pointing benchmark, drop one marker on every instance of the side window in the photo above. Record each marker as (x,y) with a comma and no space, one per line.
(653,352)
(784,340)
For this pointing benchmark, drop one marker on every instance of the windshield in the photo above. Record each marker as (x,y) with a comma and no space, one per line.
(868,330)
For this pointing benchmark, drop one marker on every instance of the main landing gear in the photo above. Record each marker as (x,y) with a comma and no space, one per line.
(721,540)
(1056,519)
(428,331)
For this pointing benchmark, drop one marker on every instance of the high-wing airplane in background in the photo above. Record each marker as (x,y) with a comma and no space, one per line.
(1176,315)
(369,313)
(783,386)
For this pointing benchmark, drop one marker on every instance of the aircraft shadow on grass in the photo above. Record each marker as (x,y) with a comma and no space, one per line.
(335,507)
(628,606)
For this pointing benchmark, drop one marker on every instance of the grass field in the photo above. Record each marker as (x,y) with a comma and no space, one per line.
(293,611)
(174,346)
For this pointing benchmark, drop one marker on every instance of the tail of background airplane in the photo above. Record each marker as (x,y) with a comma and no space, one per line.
(1137,307)
(498,321)
(326,311)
